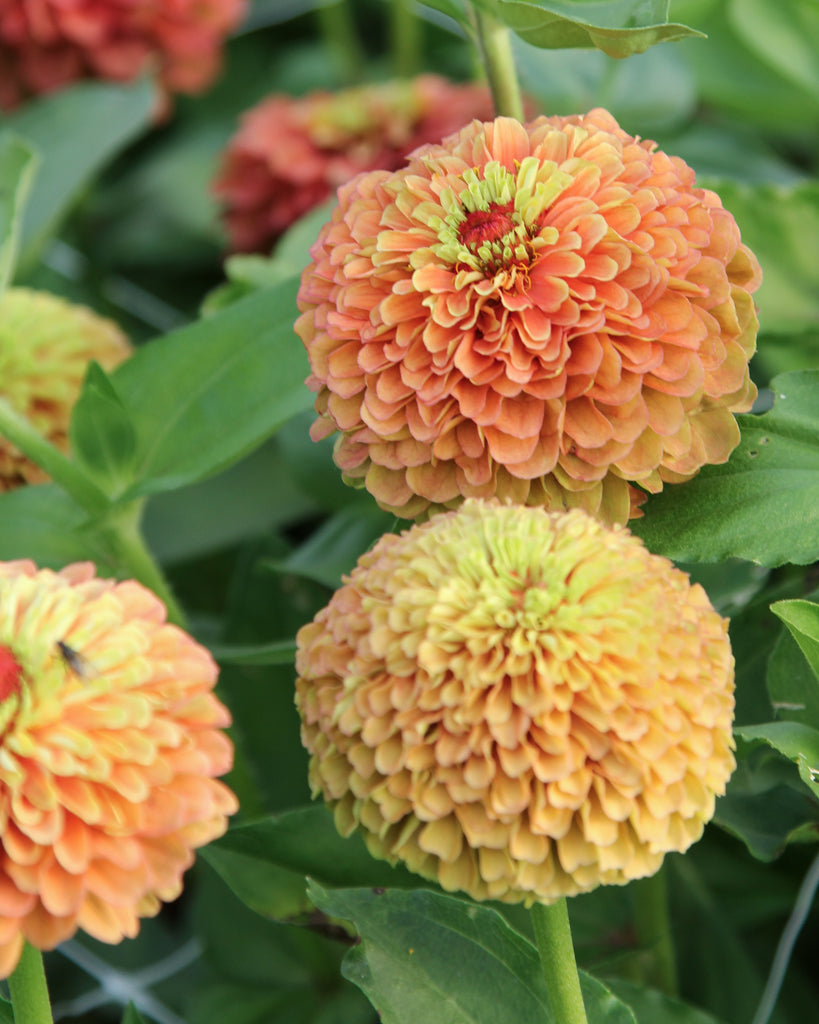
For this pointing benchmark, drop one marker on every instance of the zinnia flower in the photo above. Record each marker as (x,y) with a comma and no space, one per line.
(517,703)
(111,744)
(46,44)
(46,344)
(549,313)
(290,154)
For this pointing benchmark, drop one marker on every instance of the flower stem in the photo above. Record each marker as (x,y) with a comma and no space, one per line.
(405,38)
(63,472)
(649,900)
(28,988)
(341,38)
(554,943)
(495,42)
(124,536)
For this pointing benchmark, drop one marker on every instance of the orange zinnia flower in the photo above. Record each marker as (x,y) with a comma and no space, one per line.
(549,313)
(112,741)
(517,703)
(46,345)
(290,154)
(45,44)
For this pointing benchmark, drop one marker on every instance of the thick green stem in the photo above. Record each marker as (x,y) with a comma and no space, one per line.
(341,38)
(554,943)
(128,547)
(29,991)
(649,900)
(495,42)
(405,38)
(63,472)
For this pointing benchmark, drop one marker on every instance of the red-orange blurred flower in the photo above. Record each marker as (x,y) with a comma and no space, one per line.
(549,313)
(111,747)
(45,44)
(290,154)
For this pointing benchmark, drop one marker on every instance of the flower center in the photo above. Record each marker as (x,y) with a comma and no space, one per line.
(489,225)
(9,674)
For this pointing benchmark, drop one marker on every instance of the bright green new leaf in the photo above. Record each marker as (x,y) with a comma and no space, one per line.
(619,28)
(76,131)
(763,504)
(102,435)
(18,163)
(306,840)
(206,395)
(798,742)
(780,224)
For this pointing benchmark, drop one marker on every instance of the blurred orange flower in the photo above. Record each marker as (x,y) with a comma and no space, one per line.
(46,44)
(518,704)
(290,154)
(46,344)
(112,741)
(549,313)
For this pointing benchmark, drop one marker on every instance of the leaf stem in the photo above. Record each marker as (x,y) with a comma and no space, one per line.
(28,989)
(554,943)
(779,967)
(405,38)
(63,471)
(649,901)
(495,44)
(128,547)
(341,38)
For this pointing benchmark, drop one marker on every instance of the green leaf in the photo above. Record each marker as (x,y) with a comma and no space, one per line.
(306,841)
(204,396)
(766,805)
(619,28)
(424,956)
(652,1007)
(783,35)
(102,434)
(335,547)
(798,742)
(76,131)
(792,684)
(265,887)
(763,504)
(132,1015)
(18,162)
(6,1012)
(429,957)
(802,619)
(44,524)
(780,224)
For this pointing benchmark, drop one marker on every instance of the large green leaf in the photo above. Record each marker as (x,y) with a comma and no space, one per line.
(76,131)
(102,434)
(792,685)
(652,1007)
(802,619)
(763,504)
(44,524)
(204,396)
(424,956)
(619,28)
(781,225)
(18,162)
(305,840)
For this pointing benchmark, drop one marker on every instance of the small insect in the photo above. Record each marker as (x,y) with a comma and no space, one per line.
(80,666)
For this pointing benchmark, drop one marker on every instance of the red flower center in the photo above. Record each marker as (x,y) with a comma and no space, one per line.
(9,674)
(486,225)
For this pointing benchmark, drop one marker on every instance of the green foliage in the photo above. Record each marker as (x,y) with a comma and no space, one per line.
(763,504)
(18,163)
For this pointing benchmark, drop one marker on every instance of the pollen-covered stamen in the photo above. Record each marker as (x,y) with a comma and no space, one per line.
(10,671)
